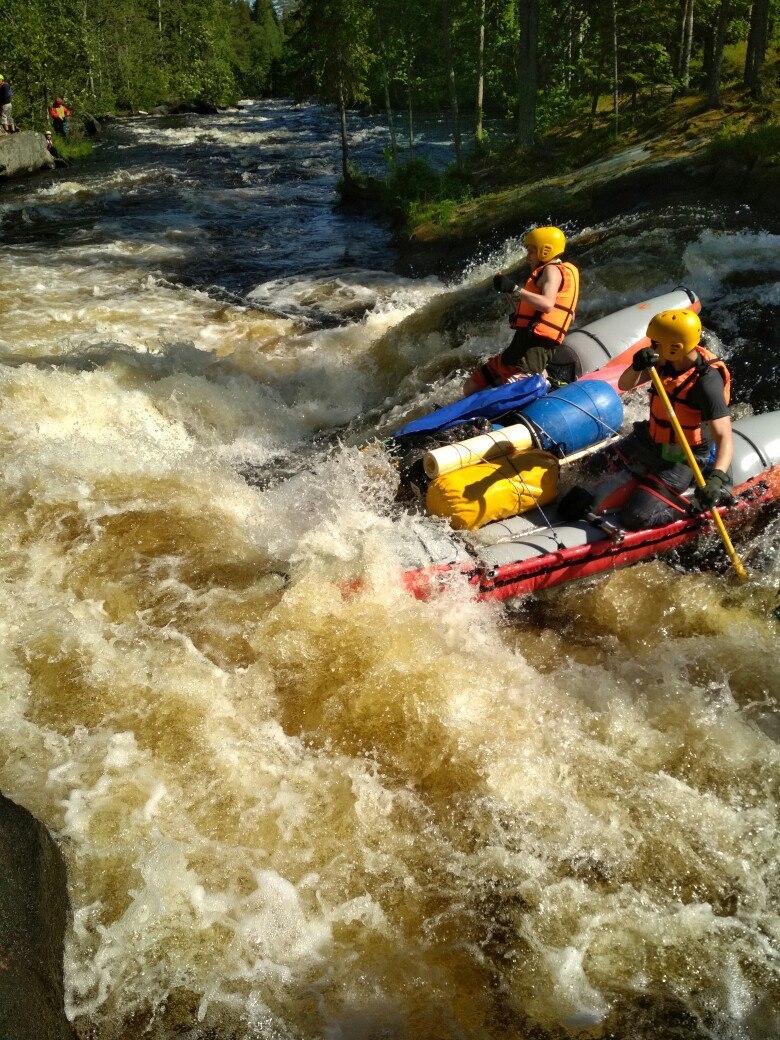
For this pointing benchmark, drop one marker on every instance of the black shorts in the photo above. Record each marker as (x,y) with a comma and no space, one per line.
(529,351)
(657,500)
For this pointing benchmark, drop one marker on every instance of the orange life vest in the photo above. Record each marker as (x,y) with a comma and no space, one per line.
(556,324)
(678,388)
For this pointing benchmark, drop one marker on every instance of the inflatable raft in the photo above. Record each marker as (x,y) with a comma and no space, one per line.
(537,550)
(494,454)
(494,483)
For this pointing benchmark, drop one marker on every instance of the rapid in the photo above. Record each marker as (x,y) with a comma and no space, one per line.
(292,812)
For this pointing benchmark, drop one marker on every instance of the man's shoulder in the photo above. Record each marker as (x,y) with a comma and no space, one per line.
(709,373)
(710,390)
(552,271)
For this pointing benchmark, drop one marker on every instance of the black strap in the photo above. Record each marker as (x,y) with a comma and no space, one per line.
(664,493)
(761,454)
(691,295)
(590,335)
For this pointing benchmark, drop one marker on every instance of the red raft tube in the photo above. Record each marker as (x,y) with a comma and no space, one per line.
(538,551)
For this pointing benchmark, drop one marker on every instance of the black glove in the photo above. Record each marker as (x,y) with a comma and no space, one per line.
(576,503)
(710,493)
(503,283)
(644,358)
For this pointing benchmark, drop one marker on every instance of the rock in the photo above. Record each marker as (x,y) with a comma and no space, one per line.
(23,153)
(91,124)
(201,108)
(33,915)
(160,110)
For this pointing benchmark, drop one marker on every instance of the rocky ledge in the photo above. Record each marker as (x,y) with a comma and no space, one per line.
(33,916)
(23,153)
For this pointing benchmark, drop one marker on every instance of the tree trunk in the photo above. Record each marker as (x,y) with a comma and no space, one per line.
(615,98)
(389,109)
(685,55)
(411,127)
(88,51)
(478,132)
(528,72)
(451,82)
(344,139)
(681,44)
(719,41)
(757,43)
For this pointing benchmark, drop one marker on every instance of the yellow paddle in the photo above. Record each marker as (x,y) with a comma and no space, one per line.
(716,517)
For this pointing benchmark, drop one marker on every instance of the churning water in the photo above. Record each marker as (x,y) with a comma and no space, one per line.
(291,814)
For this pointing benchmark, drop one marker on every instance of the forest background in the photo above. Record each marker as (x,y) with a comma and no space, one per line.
(601,66)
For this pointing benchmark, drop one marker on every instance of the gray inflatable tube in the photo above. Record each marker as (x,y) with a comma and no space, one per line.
(592,346)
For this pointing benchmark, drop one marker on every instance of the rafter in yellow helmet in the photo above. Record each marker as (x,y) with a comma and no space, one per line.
(675,332)
(549,242)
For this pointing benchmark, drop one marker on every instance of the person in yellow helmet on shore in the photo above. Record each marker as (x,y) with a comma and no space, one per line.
(698,385)
(544,311)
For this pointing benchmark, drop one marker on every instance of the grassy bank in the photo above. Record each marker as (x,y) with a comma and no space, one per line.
(73,148)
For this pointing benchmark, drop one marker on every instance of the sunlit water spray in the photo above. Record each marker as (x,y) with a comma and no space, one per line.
(291,810)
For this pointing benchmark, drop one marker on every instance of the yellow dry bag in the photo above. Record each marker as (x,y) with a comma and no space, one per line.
(478,495)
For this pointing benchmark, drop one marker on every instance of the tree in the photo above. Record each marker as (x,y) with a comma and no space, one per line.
(332,43)
(716,60)
(447,18)
(528,71)
(684,65)
(756,49)
(478,133)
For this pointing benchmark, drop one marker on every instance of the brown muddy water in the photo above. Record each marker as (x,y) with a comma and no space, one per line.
(290,814)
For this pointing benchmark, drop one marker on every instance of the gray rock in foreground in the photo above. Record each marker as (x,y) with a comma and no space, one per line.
(33,916)
(24,152)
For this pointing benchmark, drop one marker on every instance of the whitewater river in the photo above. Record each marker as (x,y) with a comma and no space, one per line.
(290,813)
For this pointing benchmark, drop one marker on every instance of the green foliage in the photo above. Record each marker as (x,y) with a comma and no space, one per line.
(756,144)
(417,191)
(359,185)
(329,50)
(104,55)
(414,180)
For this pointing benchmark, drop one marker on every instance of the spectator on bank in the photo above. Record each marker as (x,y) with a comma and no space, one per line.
(59,115)
(6,112)
(59,159)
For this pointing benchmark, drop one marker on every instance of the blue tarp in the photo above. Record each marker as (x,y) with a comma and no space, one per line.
(487,404)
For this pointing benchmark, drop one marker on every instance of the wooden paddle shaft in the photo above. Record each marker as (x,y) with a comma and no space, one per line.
(697,473)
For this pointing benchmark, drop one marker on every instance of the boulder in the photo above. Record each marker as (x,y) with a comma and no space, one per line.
(33,915)
(201,108)
(23,153)
(90,124)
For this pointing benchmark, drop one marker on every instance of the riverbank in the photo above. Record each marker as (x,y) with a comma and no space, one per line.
(687,151)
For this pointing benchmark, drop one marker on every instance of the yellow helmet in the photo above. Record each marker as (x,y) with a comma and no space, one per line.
(549,242)
(675,333)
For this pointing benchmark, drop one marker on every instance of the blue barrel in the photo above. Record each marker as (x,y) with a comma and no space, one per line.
(574,417)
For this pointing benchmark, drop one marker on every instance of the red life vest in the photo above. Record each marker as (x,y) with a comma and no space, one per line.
(556,324)
(679,387)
